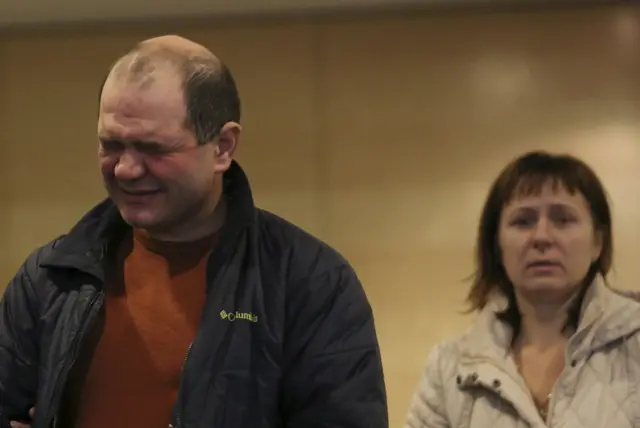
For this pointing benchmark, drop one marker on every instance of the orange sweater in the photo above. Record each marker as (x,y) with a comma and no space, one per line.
(152,311)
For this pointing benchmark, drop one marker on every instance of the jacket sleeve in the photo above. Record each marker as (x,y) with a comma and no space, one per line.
(427,405)
(334,374)
(18,349)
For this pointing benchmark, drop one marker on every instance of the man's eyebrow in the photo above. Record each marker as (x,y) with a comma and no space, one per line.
(129,142)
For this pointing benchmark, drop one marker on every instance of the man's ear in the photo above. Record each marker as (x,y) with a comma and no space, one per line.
(226,145)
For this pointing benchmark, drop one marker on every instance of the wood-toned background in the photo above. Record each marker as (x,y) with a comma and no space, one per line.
(380,135)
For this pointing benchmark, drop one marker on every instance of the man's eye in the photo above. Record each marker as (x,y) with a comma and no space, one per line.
(151,149)
(111,146)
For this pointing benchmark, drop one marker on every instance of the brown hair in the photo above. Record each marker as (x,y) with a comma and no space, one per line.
(527,175)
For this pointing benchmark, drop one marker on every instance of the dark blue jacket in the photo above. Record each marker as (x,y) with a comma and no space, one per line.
(286,339)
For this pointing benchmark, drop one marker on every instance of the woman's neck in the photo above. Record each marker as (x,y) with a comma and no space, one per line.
(543,324)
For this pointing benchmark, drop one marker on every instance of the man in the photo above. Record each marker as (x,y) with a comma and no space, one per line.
(175,302)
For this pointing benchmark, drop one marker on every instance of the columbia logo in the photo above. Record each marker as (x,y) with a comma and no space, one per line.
(232,316)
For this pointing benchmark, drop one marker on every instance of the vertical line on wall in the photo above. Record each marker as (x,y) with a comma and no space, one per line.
(5,194)
(321,161)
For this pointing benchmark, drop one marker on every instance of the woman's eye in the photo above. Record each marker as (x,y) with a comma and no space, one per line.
(565,220)
(523,222)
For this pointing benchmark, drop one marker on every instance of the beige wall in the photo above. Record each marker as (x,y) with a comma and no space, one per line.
(380,136)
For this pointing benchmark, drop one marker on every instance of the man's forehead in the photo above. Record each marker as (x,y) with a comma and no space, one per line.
(165,76)
(156,95)
(150,109)
(117,127)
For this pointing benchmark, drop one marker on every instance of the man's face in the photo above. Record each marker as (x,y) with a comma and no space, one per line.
(153,168)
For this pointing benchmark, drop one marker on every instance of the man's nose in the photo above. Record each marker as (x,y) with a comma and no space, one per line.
(130,166)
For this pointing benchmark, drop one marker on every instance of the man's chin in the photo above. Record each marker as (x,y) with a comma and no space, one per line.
(139,219)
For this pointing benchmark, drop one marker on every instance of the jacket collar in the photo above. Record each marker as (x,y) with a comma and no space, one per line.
(86,243)
(606,315)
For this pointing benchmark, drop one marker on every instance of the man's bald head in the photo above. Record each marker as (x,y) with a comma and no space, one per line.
(210,93)
(176,44)
(160,52)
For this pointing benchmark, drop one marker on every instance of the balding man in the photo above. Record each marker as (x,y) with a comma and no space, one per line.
(176,302)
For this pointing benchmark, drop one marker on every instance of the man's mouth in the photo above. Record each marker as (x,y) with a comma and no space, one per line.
(139,193)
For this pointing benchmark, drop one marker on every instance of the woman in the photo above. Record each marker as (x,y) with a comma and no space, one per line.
(553,345)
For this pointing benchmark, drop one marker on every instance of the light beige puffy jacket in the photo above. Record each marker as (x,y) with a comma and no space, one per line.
(472,382)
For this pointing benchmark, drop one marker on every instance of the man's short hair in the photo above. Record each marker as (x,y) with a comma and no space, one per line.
(211,98)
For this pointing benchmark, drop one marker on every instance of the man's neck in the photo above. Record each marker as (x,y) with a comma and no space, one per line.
(206,224)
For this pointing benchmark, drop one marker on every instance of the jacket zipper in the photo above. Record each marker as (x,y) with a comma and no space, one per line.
(180,405)
(518,380)
(52,417)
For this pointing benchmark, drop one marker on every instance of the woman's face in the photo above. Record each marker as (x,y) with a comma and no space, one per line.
(547,241)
